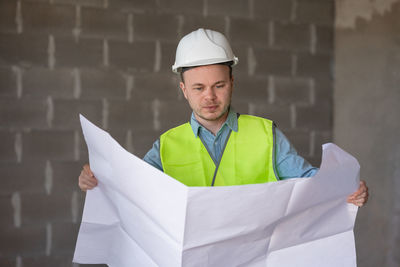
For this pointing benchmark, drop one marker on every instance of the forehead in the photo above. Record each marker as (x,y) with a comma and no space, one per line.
(216,72)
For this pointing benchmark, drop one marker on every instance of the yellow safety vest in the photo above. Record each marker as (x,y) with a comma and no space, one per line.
(248,157)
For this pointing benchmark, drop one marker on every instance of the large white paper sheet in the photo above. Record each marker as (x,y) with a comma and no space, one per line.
(139,216)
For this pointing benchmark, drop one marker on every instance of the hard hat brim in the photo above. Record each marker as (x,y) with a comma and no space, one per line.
(177,68)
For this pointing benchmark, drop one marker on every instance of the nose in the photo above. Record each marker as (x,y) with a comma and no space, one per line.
(209,93)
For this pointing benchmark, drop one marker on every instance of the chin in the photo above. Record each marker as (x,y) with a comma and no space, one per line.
(213,117)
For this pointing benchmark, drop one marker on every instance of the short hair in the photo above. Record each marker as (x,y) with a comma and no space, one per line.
(228,63)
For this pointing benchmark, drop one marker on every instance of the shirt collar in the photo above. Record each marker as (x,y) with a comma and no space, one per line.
(231,122)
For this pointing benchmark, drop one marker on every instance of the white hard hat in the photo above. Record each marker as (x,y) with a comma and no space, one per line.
(203,47)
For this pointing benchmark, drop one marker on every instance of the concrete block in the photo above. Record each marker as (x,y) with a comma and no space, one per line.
(137,56)
(8,11)
(290,36)
(150,86)
(82,148)
(315,11)
(90,3)
(8,82)
(64,236)
(318,66)
(42,82)
(315,117)
(69,53)
(192,7)
(29,239)
(38,1)
(119,136)
(273,62)
(241,51)
(23,113)
(300,139)
(98,84)
(323,91)
(239,8)
(168,50)
(48,144)
(240,106)
(320,138)
(55,259)
(66,112)
(65,175)
(103,23)
(8,261)
(7,212)
(7,146)
(292,90)
(113,63)
(273,9)
(325,36)
(48,18)
(27,176)
(38,208)
(250,88)
(142,141)
(159,27)
(173,113)
(23,49)
(280,114)
(138,6)
(130,115)
(249,31)
(193,22)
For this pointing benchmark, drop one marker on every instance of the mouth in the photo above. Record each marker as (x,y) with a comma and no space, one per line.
(211,107)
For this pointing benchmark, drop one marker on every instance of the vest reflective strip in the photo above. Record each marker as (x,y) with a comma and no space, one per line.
(247,159)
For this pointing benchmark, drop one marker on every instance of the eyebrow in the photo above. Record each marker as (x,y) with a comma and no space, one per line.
(200,84)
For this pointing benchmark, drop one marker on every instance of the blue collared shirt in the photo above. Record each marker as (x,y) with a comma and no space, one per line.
(288,163)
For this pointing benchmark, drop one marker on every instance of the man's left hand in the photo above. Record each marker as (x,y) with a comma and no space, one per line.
(360,197)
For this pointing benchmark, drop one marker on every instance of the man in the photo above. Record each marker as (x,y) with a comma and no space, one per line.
(220,147)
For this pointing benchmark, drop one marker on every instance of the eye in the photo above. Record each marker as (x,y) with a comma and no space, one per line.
(221,85)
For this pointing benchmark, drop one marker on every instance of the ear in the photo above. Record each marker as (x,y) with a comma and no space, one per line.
(232,82)
(183,88)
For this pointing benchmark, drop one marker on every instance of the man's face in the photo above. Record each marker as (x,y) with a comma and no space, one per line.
(208,90)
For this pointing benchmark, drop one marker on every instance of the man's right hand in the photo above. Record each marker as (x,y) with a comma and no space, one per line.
(87,180)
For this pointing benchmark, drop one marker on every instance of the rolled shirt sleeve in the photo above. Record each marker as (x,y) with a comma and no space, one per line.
(288,163)
(153,156)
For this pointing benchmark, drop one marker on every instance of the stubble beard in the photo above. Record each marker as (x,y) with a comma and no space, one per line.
(224,111)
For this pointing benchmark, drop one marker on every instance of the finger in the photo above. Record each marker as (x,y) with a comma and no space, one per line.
(361,188)
(360,191)
(86,181)
(359,202)
(82,186)
(86,186)
(87,177)
(352,196)
(92,183)
(87,169)
(362,202)
(361,196)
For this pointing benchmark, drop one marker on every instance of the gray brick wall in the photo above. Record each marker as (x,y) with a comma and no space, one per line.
(111,61)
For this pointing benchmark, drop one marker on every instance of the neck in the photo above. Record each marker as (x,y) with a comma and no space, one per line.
(212,125)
